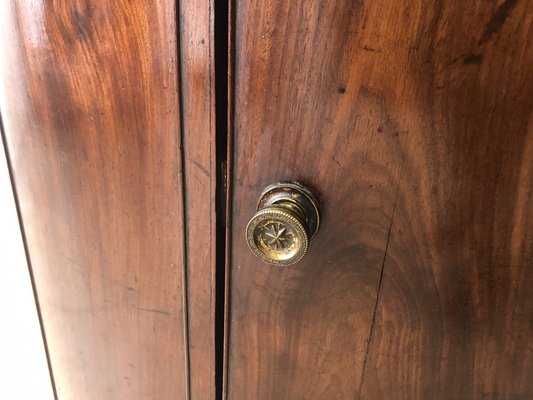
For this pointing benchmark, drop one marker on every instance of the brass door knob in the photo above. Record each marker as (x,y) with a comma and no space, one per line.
(287,217)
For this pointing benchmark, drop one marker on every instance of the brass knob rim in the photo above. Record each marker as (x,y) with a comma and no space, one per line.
(286,219)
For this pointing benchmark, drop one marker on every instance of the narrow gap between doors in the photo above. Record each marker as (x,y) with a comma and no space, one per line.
(221,110)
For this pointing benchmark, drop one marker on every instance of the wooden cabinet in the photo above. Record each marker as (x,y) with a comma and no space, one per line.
(139,142)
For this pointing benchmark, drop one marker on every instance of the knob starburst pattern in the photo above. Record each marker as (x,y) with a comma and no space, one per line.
(277,236)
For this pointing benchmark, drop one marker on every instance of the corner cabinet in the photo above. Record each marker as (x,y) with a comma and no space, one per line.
(275,200)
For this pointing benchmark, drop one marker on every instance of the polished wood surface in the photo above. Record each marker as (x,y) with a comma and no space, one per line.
(454,318)
(89,100)
(197,69)
(412,120)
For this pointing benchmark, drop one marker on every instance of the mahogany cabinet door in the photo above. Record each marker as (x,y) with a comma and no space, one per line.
(107,119)
(412,122)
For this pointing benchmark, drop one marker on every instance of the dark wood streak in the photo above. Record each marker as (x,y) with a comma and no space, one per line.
(497,20)
(89,99)
(441,245)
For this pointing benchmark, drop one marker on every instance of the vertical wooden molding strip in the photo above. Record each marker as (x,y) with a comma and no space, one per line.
(197,69)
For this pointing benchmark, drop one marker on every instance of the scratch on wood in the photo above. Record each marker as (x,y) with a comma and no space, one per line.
(92,270)
(200,167)
(333,159)
(380,285)
(366,48)
(153,310)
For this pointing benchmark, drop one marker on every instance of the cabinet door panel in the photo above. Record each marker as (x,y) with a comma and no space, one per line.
(411,120)
(89,102)
(305,110)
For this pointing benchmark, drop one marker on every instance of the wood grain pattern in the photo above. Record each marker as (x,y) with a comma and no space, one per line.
(455,315)
(412,120)
(198,122)
(89,99)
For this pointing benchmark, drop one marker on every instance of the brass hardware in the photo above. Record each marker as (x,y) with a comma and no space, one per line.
(287,217)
